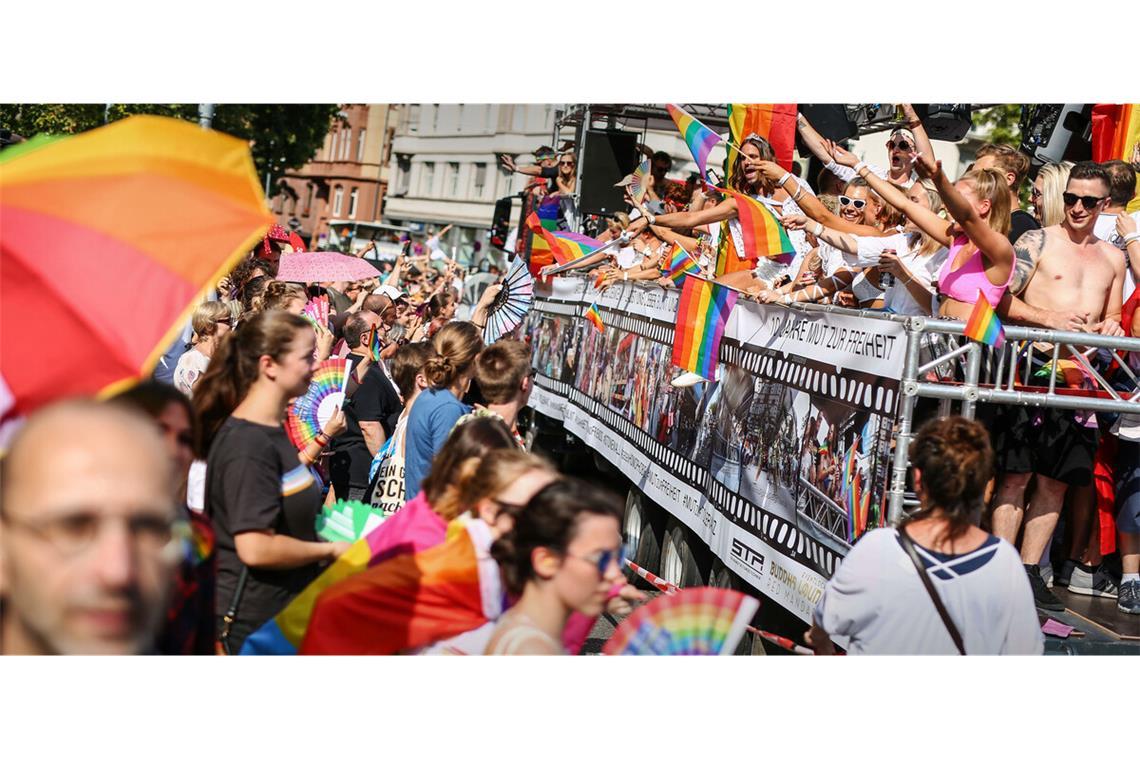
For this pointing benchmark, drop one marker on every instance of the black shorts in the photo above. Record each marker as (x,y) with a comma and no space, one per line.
(1048,442)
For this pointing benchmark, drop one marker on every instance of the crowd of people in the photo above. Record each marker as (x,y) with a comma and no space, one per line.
(187,519)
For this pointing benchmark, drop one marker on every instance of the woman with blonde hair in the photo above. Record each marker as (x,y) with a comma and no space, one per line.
(440,405)
(210,322)
(1048,187)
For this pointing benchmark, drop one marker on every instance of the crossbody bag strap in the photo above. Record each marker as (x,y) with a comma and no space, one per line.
(908,547)
(231,613)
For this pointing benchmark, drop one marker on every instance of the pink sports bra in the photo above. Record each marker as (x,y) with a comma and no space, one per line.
(963,284)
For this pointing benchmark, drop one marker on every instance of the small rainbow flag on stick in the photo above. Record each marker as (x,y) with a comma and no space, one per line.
(374,343)
(763,234)
(681,264)
(984,325)
(595,317)
(565,246)
(697,136)
(701,317)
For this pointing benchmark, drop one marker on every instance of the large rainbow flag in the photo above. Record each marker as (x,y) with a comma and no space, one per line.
(775,122)
(984,325)
(701,318)
(764,236)
(697,136)
(407,602)
(564,246)
(1115,132)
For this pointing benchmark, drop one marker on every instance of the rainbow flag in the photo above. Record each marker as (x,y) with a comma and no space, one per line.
(775,122)
(984,325)
(594,317)
(701,317)
(564,246)
(681,264)
(1115,132)
(763,234)
(851,492)
(697,136)
(374,343)
(410,601)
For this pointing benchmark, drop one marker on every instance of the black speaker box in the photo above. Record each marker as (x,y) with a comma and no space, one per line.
(830,120)
(608,155)
(944,121)
(501,221)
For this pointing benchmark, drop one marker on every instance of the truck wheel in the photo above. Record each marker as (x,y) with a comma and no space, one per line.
(642,540)
(678,566)
(722,577)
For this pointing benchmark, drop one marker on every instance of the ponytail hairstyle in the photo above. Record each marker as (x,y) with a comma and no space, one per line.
(278,294)
(739,183)
(956,460)
(253,295)
(456,346)
(550,520)
(483,478)
(439,302)
(234,367)
(990,185)
(457,459)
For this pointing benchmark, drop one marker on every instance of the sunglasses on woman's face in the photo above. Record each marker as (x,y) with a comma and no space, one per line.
(902,145)
(604,559)
(858,204)
(226,322)
(1088,201)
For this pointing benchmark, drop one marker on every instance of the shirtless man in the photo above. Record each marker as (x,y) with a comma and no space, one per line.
(1064,268)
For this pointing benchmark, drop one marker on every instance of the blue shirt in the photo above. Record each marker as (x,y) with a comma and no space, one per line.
(433,415)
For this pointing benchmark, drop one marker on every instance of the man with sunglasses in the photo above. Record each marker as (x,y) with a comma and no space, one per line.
(87,560)
(901,147)
(1060,270)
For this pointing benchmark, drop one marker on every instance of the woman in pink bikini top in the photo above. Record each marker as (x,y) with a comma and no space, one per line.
(980,256)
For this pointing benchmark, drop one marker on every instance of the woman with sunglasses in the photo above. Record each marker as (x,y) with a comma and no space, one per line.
(563,555)
(210,322)
(1048,187)
(980,256)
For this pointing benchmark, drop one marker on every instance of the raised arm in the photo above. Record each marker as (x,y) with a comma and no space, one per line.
(509,164)
(686,219)
(841,240)
(994,246)
(922,143)
(808,202)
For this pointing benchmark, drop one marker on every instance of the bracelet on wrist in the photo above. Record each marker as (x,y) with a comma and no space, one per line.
(1131,237)
(859,166)
(784,179)
(818,229)
(322,439)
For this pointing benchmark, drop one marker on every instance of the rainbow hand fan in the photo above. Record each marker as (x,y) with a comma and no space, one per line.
(637,187)
(512,303)
(317,309)
(309,413)
(699,621)
(347,521)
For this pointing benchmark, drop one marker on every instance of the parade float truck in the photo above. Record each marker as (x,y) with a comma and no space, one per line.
(764,477)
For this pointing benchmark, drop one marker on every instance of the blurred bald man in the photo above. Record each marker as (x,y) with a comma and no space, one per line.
(87,525)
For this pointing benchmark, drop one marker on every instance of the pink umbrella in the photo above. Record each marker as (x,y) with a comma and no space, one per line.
(323,266)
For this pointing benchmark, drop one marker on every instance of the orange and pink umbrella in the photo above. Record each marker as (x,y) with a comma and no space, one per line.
(108,240)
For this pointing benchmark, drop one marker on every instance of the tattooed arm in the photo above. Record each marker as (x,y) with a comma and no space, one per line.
(1027,253)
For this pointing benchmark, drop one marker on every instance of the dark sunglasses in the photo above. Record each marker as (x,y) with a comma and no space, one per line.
(226,322)
(605,559)
(858,204)
(565,163)
(509,509)
(899,145)
(1088,201)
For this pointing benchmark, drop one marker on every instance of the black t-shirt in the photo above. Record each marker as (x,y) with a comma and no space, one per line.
(254,481)
(375,400)
(1021,222)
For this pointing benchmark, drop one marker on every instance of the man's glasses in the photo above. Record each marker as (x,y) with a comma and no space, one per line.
(1088,201)
(604,559)
(902,145)
(858,204)
(72,534)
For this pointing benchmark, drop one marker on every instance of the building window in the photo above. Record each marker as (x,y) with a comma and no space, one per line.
(427,179)
(279,201)
(360,146)
(338,200)
(459,118)
(352,203)
(329,141)
(480,179)
(452,180)
(434,118)
(309,200)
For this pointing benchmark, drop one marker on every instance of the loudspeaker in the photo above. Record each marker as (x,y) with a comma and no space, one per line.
(501,221)
(1055,132)
(607,156)
(944,121)
(830,120)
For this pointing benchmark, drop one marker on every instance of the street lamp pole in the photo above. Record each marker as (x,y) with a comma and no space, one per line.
(205,115)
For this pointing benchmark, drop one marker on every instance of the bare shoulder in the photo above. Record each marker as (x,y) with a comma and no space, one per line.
(1111,254)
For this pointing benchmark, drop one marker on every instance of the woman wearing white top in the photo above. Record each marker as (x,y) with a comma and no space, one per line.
(210,322)
(876,601)
(563,555)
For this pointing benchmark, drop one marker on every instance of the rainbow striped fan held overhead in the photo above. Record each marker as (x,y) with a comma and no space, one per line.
(694,621)
(512,303)
(308,414)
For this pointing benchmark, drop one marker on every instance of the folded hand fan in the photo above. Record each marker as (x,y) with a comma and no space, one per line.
(512,303)
(697,621)
(309,413)
(347,521)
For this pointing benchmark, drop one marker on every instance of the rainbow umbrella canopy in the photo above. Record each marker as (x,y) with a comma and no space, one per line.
(108,240)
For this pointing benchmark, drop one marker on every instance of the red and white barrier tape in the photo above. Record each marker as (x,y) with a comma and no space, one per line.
(669,588)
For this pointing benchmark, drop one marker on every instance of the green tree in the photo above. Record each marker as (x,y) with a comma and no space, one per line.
(281,137)
(1002,123)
